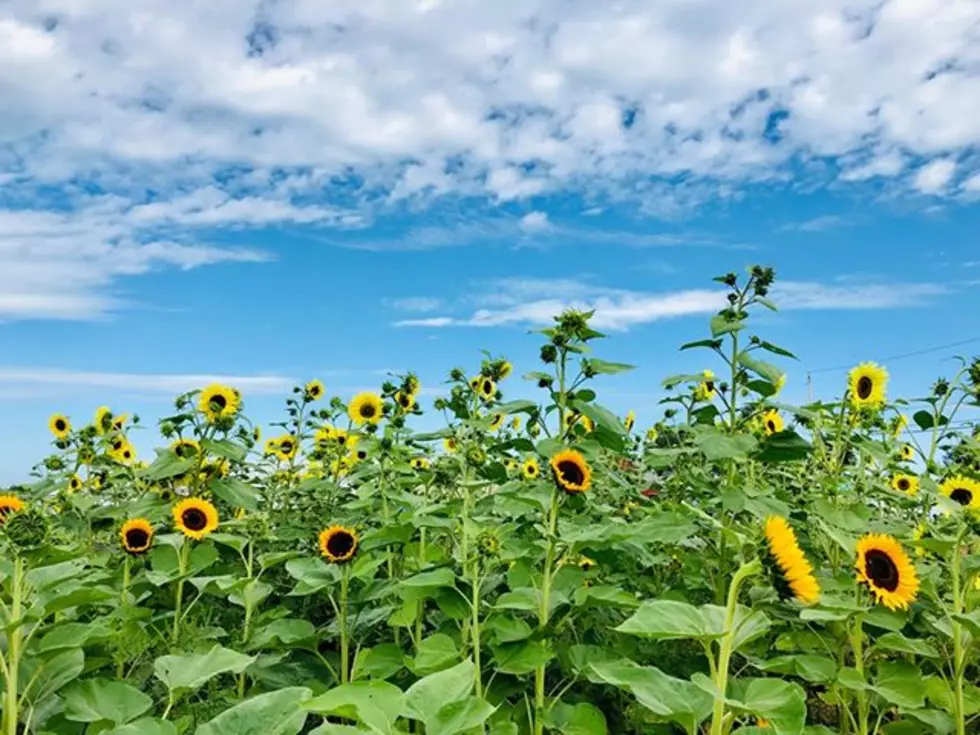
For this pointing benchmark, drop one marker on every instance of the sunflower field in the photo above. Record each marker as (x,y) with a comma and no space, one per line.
(741,566)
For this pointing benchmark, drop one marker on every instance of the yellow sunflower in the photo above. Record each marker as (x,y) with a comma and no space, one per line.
(963,490)
(366,408)
(496,422)
(324,436)
(75,484)
(906,453)
(908,484)
(419,463)
(572,472)
(449,444)
(885,568)
(867,383)
(338,544)
(504,371)
(60,426)
(270,446)
(218,402)
(630,420)
(137,535)
(792,573)
(412,384)
(405,401)
(123,451)
(488,389)
(531,469)
(195,517)
(652,434)
(345,439)
(780,384)
(706,390)
(515,423)
(119,422)
(103,419)
(901,423)
(574,418)
(286,447)
(314,390)
(9,504)
(186,448)
(772,422)
(257,434)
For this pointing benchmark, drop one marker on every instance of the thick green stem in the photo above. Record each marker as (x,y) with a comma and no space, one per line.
(856,636)
(727,644)
(959,650)
(475,609)
(10,708)
(545,610)
(182,556)
(246,632)
(344,642)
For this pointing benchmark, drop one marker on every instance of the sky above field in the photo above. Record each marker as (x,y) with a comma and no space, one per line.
(266,192)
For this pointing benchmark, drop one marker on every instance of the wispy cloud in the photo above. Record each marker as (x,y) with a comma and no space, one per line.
(817,224)
(535,301)
(417,304)
(168,384)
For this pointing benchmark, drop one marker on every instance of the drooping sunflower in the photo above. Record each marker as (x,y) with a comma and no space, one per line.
(286,447)
(705,390)
(488,389)
(366,408)
(531,469)
(60,426)
(137,536)
(449,444)
(405,401)
(338,544)
(772,422)
(504,371)
(791,572)
(906,453)
(908,484)
(119,422)
(867,383)
(573,419)
(419,463)
(195,517)
(572,472)
(103,419)
(963,490)
(885,568)
(630,420)
(186,448)
(9,504)
(496,422)
(314,390)
(75,484)
(218,402)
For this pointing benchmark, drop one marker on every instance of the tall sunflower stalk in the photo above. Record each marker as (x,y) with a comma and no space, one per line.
(10,663)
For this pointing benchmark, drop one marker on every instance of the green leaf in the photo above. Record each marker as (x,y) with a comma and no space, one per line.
(71,635)
(606,595)
(602,367)
(524,598)
(225,448)
(376,704)
(924,419)
(380,662)
(284,631)
(235,492)
(898,642)
(442,577)
(522,657)
(763,369)
(811,667)
(971,622)
(194,670)
(720,325)
(668,698)
(275,713)
(900,683)
(713,344)
(426,697)
(435,653)
(146,726)
(786,446)
(716,445)
(669,620)
(776,350)
(782,703)
(507,628)
(53,673)
(104,699)
(603,417)
(167,465)
(579,719)
(460,716)
(312,575)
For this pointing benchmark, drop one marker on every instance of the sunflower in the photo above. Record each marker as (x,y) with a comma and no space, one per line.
(270,446)
(475,383)
(630,420)
(257,434)
(218,402)
(574,418)
(496,422)
(906,453)
(60,426)
(75,484)
(867,384)
(572,472)
(186,448)
(515,423)
(963,490)
(792,573)
(405,401)
(137,535)
(449,444)
(123,451)
(9,504)
(324,436)
(103,419)
(917,535)
(504,371)
(412,384)
(419,463)
(779,384)
(533,429)
(885,568)
(488,389)
(652,434)
(705,390)
(338,544)
(531,469)
(286,447)
(359,456)
(901,423)
(366,408)
(772,422)
(195,517)
(314,390)
(345,439)
(511,464)
(908,484)
(119,422)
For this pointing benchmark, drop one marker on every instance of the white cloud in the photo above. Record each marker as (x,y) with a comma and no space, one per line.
(935,176)
(535,301)
(535,222)
(140,382)
(817,224)
(416,304)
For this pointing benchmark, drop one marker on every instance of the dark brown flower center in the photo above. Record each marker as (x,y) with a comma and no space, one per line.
(60,425)
(5,511)
(137,539)
(962,496)
(771,425)
(864,387)
(487,387)
(194,519)
(286,446)
(340,544)
(881,570)
(218,402)
(903,484)
(368,411)
(571,472)
(709,385)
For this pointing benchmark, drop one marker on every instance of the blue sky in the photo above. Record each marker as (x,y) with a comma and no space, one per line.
(268,193)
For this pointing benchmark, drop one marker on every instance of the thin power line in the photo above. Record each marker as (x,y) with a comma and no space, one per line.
(894,358)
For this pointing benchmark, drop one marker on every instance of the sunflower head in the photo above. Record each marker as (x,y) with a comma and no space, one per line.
(504,370)
(866,384)
(531,469)
(195,517)
(449,444)
(60,426)
(405,401)
(75,484)
(366,408)
(119,422)
(186,448)
(515,423)
(772,422)
(791,573)
(706,388)
(9,504)
(324,436)
(906,453)
(901,423)
(573,419)
(122,451)
(338,544)
(908,484)
(962,490)
(630,420)
(884,567)
(572,472)
(496,422)
(286,447)
(488,389)
(103,419)
(419,463)
(218,402)
(313,391)
(137,536)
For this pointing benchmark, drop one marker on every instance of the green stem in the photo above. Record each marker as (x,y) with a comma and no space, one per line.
(121,663)
(13,645)
(959,652)
(475,609)
(182,570)
(727,644)
(344,643)
(856,636)
(544,611)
